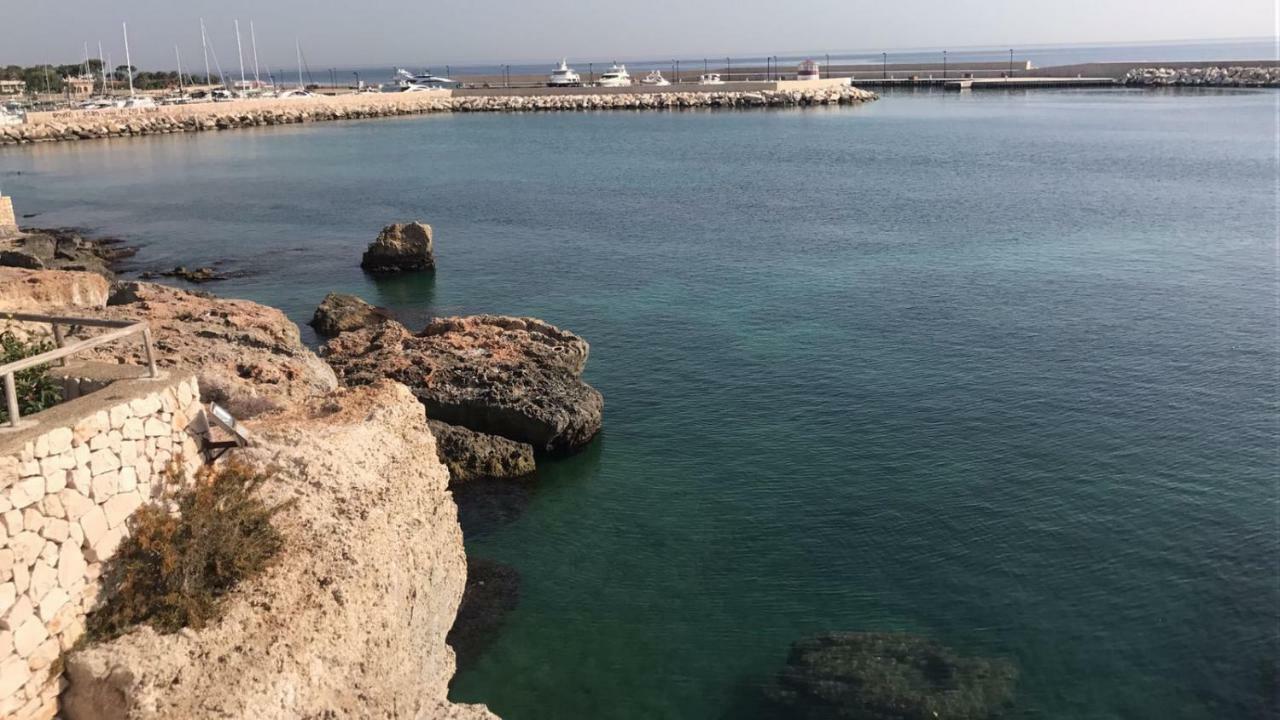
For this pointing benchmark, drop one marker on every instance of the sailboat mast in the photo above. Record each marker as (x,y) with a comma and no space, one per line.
(102,65)
(298,46)
(253,39)
(178,55)
(127,62)
(240,52)
(204,45)
(86,60)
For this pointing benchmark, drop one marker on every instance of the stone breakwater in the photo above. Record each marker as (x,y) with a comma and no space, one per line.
(211,117)
(1235,76)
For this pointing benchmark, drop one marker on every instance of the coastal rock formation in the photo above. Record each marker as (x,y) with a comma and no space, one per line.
(889,676)
(471,455)
(62,249)
(50,290)
(1234,76)
(400,247)
(210,117)
(339,313)
(248,357)
(350,621)
(519,378)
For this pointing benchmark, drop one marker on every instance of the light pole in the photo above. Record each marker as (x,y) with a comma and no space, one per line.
(884,66)
(828,66)
(1011,63)
(677,62)
(728,69)
(357,81)
(944,64)
(591,73)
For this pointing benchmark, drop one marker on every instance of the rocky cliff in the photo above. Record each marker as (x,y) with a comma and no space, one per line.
(351,621)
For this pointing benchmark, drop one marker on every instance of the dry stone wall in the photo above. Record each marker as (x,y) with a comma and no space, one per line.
(65,497)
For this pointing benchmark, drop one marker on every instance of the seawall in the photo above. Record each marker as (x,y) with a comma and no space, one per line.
(74,125)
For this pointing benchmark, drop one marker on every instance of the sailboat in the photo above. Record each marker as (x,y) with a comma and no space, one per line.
(134,100)
(301,91)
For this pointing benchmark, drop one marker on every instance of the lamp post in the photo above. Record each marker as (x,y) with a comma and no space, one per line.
(944,64)
(728,69)
(884,66)
(591,73)
(677,62)
(828,66)
(357,81)
(1011,63)
(704,66)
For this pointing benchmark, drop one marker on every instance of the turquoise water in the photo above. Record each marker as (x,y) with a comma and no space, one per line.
(1001,369)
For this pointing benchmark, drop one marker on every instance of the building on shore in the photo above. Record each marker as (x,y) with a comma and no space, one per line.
(13,87)
(808,70)
(78,88)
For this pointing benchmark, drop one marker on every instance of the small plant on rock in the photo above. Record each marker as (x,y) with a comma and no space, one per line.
(175,569)
(36,390)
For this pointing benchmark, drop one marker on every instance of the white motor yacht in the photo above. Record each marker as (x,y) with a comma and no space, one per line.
(655,79)
(406,81)
(616,76)
(564,76)
(710,79)
(137,102)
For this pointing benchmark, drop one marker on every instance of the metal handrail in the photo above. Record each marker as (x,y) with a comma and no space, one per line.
(122,329)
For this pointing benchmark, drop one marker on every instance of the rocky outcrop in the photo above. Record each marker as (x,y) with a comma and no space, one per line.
(519,378)
(1234,76)
(471,455)
(210,117)
(339,313)
(248,357)
(350,621)
(62,249)
(50,290)
(400,247)
(889,676)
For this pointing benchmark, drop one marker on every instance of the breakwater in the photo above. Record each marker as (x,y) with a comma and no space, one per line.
(81,125)
(1234,76)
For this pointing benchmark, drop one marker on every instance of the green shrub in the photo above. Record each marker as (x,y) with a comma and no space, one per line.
(174,570)
(36,390)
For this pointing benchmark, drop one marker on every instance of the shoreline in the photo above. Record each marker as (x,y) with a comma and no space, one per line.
(85,125)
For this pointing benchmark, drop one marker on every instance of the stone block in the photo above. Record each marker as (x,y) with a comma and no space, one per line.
(55,481)
(44,655)
(76,534)
(107,544)
(6,643)
(43,579)
(28,636)
(42,446)
(99,442)
(14,674)
(134,429)
(71,634)
(80,478)
(26,547)
(84,430)
(129,453)
(63,618)
(145,406)
(94,525)
(74,503)
(54,463)
(128,479)
(8,596)
(32,519)
(18,614)
(114,438)
(59,440)
(71,565)
(55,530)
(51,505)
(52,603)
(12,522)
(103,461)
(104,486)
(21,575)
(50,552)
(82,453)
(118,415)
(120,507)
(6,564)
(155,428)
(29,468)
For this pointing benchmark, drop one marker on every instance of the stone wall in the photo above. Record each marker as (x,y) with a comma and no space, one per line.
(8,221)
(67,487)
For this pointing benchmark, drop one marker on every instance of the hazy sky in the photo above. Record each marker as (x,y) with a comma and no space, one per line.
(383,32)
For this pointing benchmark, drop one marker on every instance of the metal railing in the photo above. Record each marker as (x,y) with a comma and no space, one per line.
(120,329)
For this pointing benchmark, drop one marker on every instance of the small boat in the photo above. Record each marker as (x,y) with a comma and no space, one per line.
(616,76)
(406,81)
(295,94)
(655,79)
(564,76)
(11,118)
(710,79)
(137,102)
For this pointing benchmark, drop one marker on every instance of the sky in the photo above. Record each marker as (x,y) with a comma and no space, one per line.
(413,32)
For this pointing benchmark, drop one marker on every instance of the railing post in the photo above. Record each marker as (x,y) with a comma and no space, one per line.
(11,398)
(59,341)
(151,358)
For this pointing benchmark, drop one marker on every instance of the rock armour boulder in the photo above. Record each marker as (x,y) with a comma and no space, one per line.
(339,313)
(401,247)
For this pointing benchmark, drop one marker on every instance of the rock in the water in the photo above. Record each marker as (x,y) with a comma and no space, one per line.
(492,592)
(399,247)
(470,455)
(339,313)
(515,377)
(21,259)
(890,676)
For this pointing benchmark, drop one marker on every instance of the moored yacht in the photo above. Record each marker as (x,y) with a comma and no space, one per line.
(655,79)
(616,76)
(564,76)
(406,81)
(710,79)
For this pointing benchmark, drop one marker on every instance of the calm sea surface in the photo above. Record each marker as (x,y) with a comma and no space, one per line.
(996,368)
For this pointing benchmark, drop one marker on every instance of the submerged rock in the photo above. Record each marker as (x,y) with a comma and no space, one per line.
(339,313)
(890,676)
(62,249)
(471,455)
(519,378)
(400,247)
(492,592)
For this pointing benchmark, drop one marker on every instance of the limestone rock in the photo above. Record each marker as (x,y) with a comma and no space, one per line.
(44,290)
(519,378)
(402,246)
(889,676)
(470,455)
(339,313)
(350,621)
(247,356)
